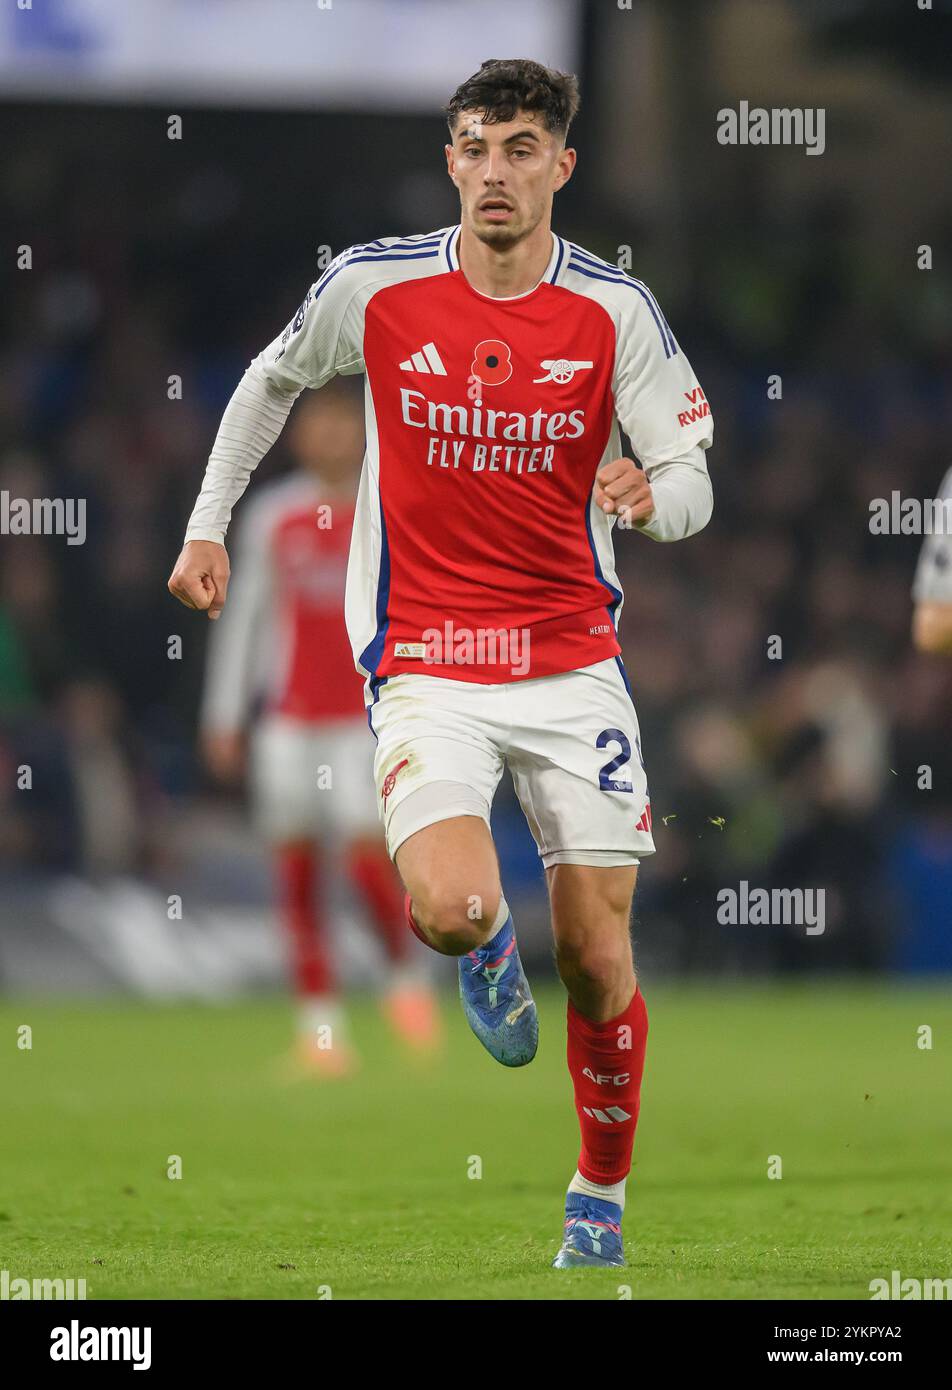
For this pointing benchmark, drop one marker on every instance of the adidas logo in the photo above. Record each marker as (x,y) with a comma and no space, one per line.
(426,360)
(614,1114)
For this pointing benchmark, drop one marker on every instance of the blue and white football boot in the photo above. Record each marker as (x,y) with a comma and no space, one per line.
(592,1233)
(497,1000)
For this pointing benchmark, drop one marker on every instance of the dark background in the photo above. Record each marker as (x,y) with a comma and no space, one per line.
(153,257)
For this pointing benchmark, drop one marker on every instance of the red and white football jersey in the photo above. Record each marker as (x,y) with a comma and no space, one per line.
(281,634)
(486,422)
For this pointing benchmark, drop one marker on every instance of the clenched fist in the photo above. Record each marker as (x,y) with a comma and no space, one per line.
(621,487)
(200,577)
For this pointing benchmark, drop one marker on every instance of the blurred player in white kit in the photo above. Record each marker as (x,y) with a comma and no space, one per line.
(281,644)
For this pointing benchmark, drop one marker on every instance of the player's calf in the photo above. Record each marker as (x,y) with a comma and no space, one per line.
(591,908)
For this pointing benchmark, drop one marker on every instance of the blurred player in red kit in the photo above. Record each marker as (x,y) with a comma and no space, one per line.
(310,759)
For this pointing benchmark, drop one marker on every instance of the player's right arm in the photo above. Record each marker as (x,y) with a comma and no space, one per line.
(932,590)
(322,340)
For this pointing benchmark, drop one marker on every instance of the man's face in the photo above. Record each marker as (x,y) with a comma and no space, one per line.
(506,174)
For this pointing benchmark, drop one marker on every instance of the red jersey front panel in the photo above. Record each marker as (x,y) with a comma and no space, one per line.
(492,418)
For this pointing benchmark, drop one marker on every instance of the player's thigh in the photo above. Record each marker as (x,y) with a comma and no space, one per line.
(438,764)
(576,764)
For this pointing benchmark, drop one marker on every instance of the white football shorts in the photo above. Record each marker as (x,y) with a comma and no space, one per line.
(313,780)
(571,743)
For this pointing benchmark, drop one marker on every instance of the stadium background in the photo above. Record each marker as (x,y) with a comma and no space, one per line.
(154,256)
(307,129)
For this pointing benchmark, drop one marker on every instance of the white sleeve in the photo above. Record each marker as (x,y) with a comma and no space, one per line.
(235,642)
(253,419)
(933,581)
(683,497)
(322,340)
(666,415)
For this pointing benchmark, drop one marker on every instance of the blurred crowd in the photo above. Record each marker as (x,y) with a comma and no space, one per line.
(785,717)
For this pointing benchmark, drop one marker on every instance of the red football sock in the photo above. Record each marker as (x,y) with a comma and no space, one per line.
(606,1061)
(374,877)
(297,872)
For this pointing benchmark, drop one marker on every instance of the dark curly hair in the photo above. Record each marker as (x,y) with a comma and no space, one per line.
(504,86)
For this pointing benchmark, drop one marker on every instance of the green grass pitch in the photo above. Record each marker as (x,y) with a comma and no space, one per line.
(361,1186)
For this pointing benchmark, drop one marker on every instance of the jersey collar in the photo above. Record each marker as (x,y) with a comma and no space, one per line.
(556,261)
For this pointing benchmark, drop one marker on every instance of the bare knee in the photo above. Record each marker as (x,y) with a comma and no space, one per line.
(596,967)
(452,875)
(455,921)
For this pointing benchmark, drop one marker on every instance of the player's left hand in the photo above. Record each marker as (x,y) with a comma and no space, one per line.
(622,488)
